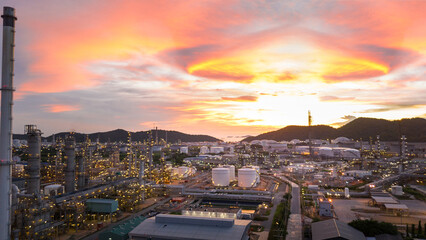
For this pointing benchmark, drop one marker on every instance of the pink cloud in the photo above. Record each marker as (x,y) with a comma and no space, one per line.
(57,108)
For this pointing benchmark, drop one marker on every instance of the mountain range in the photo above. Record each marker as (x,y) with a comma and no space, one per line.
(414,130)
(122,135)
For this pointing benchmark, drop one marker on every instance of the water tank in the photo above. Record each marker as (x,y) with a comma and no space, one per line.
(175,171)
(326,152)
(257,168)
(351,154)
(247,177)
(231,171)
(183,171)
(192,171)
(204,150)
(220,176)
(216,149)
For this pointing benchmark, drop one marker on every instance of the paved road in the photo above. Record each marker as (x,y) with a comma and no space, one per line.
(295,199)
(277,200)
(95,235)
(294,226)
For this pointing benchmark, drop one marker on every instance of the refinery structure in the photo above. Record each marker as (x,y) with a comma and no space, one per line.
(73,188)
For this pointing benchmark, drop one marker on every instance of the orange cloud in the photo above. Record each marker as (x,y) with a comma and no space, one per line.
(57,108)
(222,62)
(241,98)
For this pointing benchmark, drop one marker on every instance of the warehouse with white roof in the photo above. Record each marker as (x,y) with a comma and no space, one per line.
(167,226)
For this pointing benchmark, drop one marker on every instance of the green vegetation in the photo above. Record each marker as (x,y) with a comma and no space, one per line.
(279,223)
(177,158)
(418,195)
(371,227)
(176,213)
(420,233)
(414,129)
(260,218)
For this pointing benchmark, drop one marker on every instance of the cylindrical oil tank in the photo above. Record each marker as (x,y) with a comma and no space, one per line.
(220,176)
(183,171)
(193,170)
(247,177)
(231,171)
(257,168)
(326,152)
(175,171)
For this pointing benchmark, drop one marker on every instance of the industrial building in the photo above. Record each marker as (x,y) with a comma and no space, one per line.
(335,229)
(165,226)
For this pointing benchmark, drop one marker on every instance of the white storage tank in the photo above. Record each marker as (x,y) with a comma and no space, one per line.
(326,152)
(216,150)
(204,150)
(247,177)
(220,177)
(397,190)
(184,149)
(257,168)
(351,154)
(192,171)
(175,171)
(183,171)
(231,171)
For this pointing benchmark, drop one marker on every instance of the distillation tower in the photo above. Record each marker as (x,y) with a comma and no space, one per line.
(70,166)
(34,148)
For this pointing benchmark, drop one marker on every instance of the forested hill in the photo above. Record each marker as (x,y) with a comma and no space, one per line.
(122,135)
(414,129)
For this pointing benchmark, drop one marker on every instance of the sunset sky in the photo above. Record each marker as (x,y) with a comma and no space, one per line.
(223,68)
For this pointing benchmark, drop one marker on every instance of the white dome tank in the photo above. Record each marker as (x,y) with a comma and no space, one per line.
(247,177)
(183,171)
(220,176)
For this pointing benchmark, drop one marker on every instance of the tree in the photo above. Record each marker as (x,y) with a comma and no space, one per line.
(419,230)
(412,230)
(406,231)
(371,227)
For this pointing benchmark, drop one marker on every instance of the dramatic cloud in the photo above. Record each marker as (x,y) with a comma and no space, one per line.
(230,68)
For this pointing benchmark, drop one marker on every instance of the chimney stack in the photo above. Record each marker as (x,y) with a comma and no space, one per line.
(6,121)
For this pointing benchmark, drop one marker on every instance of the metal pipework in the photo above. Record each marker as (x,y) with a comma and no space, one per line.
(34,148)
(6,121)
(70,160)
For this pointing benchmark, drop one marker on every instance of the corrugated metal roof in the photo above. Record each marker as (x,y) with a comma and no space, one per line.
(191,228)
(333,228)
